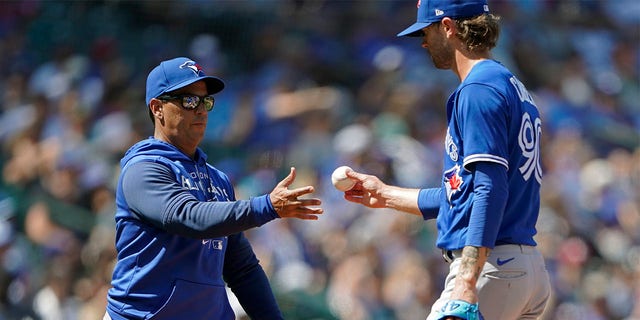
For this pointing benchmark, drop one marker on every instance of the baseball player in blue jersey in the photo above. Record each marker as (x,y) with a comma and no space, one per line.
(178,224)
(487,207)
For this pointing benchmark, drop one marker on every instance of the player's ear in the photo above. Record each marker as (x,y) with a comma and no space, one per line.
(448,25)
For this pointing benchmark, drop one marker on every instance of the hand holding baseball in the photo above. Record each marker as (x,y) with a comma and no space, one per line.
(340,180)
(369,191)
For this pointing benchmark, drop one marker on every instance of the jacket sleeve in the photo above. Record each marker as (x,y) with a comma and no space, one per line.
(248,281)
(153,195)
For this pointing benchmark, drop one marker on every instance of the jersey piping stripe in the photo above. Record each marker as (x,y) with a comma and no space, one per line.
(485,157)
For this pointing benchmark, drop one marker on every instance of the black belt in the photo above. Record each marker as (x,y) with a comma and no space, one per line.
(450,255)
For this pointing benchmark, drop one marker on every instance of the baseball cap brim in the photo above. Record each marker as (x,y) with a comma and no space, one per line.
(214,85)
(415,30)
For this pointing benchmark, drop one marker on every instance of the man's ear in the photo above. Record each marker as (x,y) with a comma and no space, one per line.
(155,107)
(449,25)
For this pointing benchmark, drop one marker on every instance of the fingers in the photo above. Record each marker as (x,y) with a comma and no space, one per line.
(306,217)
(281,195)
(288,180)
(353,175)
(283,187)
(288,204)
(300,209)
(302,204)
(308,213)
(306,202)
(295,193)
(353,198)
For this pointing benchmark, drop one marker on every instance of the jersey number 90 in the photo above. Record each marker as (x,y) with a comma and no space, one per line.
(529,141)
(529,136)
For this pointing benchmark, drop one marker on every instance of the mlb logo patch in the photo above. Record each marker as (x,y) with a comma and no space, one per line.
(214,244)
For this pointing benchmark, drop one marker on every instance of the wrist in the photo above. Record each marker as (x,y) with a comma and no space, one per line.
(401,199)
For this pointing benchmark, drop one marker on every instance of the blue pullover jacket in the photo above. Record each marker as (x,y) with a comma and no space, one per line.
(179,240)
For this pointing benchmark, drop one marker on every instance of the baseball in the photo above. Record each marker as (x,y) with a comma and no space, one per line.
(340,180)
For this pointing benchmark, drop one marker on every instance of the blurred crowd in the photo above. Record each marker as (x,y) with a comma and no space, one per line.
(312,84)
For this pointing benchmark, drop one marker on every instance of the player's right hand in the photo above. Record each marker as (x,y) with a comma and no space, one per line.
(367,190)
(287,204)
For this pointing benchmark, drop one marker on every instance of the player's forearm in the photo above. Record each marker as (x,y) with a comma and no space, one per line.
(402,199)
(152,193)
(469,270)
(204,220)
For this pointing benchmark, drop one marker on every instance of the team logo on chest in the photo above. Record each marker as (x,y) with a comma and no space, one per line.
(452,181)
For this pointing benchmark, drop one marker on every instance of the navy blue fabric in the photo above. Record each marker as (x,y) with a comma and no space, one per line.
(178,236)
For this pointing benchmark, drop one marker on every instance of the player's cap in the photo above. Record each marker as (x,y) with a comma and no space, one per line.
(430,11)
(176,73)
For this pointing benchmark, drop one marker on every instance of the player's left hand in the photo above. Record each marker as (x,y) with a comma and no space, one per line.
(459,309)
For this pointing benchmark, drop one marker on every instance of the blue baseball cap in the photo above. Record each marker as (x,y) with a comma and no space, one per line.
(177,73)
(430,11)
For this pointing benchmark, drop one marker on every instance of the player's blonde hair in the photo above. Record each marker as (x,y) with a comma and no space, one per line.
(479,33)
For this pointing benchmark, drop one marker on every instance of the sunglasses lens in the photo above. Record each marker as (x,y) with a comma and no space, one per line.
(208,103)
(190,102)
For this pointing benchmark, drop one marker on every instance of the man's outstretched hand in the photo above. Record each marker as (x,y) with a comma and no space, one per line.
(287,203)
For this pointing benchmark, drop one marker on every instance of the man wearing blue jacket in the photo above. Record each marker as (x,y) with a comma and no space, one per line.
(178,224)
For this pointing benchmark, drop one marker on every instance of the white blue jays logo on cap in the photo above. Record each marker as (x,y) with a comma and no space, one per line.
(191,65)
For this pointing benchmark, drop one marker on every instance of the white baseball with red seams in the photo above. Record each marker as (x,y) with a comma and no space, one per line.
(340,180)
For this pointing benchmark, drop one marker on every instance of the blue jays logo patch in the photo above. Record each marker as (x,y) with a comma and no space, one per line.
(193,67)
(452,181)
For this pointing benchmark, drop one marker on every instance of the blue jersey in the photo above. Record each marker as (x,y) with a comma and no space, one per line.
(491,119)
(179,240)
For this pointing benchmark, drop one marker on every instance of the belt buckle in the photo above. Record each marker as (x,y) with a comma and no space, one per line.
(447,255)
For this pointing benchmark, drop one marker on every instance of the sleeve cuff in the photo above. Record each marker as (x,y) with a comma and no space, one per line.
(262,206)
(429,202)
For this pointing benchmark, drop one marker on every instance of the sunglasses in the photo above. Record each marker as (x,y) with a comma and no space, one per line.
(191,101)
